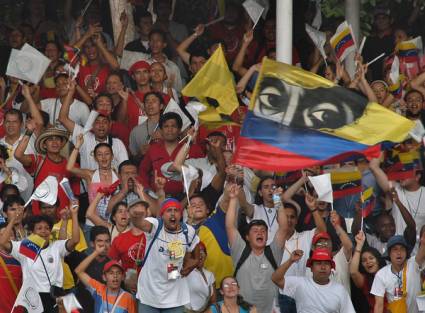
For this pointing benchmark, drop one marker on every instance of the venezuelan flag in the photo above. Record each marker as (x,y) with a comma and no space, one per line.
(72,55)
(368,202)
(298,119)
(343,41)
(396,90)
(345,183)
(408,51)
(402,165)
(31,246)
(214,86)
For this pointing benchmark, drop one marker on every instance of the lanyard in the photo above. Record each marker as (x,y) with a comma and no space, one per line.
(267,216)
(107,302)
(417,205)
(296,248)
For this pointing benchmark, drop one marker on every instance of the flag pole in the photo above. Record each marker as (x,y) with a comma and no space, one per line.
(284,27)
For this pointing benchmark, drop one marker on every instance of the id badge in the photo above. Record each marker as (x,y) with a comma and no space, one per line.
(172,271)
(264,266)
(398,293)
(175,249)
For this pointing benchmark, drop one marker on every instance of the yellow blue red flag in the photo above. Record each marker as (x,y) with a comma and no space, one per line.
(298,119)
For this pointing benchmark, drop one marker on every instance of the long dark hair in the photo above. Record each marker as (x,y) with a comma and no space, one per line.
(239,300)
(259,199)
(379,259)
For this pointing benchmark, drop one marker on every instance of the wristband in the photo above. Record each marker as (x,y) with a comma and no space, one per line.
(312,211)
(357,250)
(28,133)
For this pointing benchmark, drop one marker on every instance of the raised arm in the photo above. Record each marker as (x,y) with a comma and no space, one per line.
(75,239)
(153,203)
(293,189)
(278,277)
(318,220)
(82,267)
(379,174)
(119,47)
(342,234)
(105,53)
(64,111)
(240,57)
(32,106)
(5,242)
(357,277)
(418,83)
(19,154)
(184,45)
(241,85)
(218,180)
(365,86)
(231,230)
(70,165)
(92,215)
(420,256)
(410,231)
(92,30)
(282,220)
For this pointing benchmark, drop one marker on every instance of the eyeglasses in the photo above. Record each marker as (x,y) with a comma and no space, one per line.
(234,284)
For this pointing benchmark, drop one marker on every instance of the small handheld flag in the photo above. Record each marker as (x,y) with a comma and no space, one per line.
(31,246)
(343,41)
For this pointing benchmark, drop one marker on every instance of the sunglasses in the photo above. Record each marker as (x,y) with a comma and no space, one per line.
(234,284)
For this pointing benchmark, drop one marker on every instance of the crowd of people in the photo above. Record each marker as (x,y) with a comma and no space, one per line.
(138,236)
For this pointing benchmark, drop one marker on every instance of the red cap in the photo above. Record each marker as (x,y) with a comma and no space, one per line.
(111,263)
(322,235)
(321,254)
(138,65)
(170,203)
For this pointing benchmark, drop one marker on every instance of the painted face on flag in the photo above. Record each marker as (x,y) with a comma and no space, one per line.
(315,108)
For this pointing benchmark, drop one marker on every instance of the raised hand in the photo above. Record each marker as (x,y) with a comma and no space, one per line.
(75,205)
(335,219)
(159,181)
(199,30)
(234,191)
(80,141)
(296,255)
(360,239)
(310,201)
(248,36)
(124,20)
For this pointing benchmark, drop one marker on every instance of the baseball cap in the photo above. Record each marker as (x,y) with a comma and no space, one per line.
(321,254)
(321,235)
(137,201)
(257,222)
(396,240)
(111,263)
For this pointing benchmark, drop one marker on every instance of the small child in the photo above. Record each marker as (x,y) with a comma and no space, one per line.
(109,297)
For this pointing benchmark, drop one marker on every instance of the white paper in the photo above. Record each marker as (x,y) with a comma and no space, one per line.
(71,303)
(317,21)
(254,10)
(90,121)
(395,70)
(417,132)
(46,192)
(172,106)
(318,38)
(28,297)
(323,186)
(27,64)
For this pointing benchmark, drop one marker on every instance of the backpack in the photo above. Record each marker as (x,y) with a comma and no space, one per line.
(155,236)
(246,253)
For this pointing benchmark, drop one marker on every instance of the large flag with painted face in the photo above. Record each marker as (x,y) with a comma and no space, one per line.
(298,119)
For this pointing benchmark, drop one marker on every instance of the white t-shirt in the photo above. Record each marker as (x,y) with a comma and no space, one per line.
(268,215)
(153,286)
(386,281)
(314,298)
(52,257)
(200,290)
(341,273)
(374,242)
(414,201)
(78,111)
(90,142)
(298,241)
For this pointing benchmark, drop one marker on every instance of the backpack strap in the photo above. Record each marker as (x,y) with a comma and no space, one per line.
(155,236)
(245,254)
(269,256)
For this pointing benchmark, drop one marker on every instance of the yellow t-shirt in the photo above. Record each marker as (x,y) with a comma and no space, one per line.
(68,279)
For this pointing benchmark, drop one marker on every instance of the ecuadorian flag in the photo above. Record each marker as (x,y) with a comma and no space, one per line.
(368,202)
(401,165)
(343,41)
(31,246)
(298,119)
(345,183)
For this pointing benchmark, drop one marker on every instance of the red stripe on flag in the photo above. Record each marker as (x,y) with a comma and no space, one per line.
(344,47)
(347,192)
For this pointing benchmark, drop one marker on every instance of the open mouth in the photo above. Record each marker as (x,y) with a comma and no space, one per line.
(259,239)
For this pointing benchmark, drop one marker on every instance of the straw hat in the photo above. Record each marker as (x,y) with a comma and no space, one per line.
(49,132)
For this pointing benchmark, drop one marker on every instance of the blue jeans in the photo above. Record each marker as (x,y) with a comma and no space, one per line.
(143,308)
(287,304)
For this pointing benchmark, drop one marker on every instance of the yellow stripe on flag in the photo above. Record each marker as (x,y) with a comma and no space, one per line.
(367,194)
(340,177)
(335,40)
(37,240)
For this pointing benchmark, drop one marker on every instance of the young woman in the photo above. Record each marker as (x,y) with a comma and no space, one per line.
(366,262)
(158,77)
(53,51)
(201,285)
(102,177)
(119,220)
(232,301)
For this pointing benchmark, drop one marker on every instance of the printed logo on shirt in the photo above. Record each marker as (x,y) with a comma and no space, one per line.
(134,249)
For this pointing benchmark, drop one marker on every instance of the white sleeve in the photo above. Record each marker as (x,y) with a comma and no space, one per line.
(77,130)
(122,154)
(130,57)
(291,285)
(60,245)
(15,250)
(84,112)
(378,286)
(193,238)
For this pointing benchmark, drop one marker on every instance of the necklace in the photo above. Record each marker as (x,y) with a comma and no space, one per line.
(227,308)
(270,224)
(417,205)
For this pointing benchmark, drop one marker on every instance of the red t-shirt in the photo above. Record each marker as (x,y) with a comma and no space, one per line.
(125,248)
(86,76)
(231,132)
(121,131)
(231,37)
(8,295)
(370,297)
(155,157)
(46,93)
(50,168)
